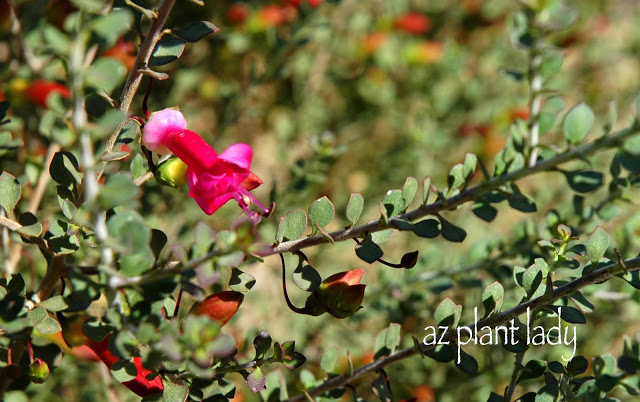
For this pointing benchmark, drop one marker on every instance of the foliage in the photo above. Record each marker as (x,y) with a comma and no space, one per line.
(470,151)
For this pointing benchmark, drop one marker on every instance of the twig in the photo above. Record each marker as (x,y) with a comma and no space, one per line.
(567,289)
(34,204)
(465,196)
(535,94)
(135,77)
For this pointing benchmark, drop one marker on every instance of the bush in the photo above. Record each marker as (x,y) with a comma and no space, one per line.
(449,187)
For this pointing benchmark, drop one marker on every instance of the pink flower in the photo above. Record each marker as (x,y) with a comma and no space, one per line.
(213,179)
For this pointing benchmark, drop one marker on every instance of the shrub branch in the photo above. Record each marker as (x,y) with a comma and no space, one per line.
(135,76)
(465,196)
(596,276)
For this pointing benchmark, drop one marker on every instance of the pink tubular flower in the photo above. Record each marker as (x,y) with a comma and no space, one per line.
(213,179)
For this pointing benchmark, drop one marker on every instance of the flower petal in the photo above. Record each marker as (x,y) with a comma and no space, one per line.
(239,155)
(161,124)
(192,149)
(211,204)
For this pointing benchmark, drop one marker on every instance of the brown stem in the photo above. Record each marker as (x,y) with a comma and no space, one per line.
(284,290)
(135,77)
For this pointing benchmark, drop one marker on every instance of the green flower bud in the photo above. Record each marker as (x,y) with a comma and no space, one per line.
(38,371)
(171,172)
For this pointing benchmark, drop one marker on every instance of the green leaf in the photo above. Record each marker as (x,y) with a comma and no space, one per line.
(381,236)
(584,181)
(124,371)
(129,132)
(393,203)
(64,169)
(157,243)
(368,251)
(381,388)
(262,343)
(577,123)
(578,365)
(105,74)
(597,245)
(392,340)
(294,360)
(442,353)
(37,315)
(241,281)
(30,225)
(168,49)
(448,313)
(118,189)
(492,298)
(428,228)
(533,369)
(467,363)
(112,25)
(354,208)
(48,326)
(195,31)
(532,279)
(484,211)
(174,392)
(470,165)
(456,179)
(451,232)
(329,359)
(409,191)
(55,303)
(572,315)
(10,193)
(292,225)
(426,189)
(321,212)
(306,277)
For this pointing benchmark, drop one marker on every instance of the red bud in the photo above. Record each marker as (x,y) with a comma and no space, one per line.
(219,306)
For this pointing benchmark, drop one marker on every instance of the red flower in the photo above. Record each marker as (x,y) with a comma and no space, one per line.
(39,90)
(140,385)
(219,306)
(413,23)
(213,179)
(340,295)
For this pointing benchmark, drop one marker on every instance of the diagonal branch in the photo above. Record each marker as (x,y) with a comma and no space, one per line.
(465,196)
(596,276)
(135,76)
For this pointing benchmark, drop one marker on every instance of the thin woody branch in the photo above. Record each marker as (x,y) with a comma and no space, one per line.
(567,289)
(465,196)
(135,76)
